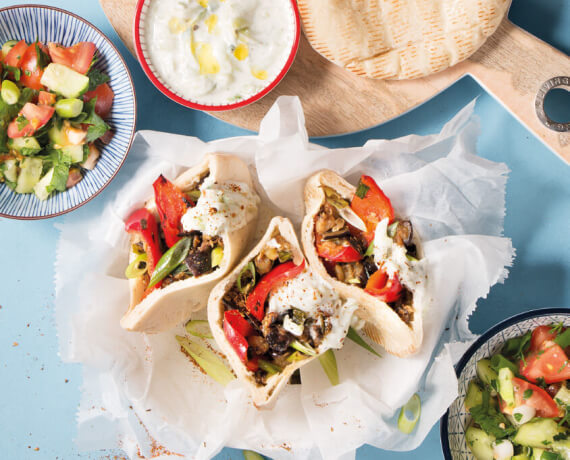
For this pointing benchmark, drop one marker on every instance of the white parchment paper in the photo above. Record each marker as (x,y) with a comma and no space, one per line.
(140,391)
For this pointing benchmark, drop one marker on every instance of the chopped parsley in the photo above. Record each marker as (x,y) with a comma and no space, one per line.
(517,416)
(16,72)
(527,394)
(563,339)
(361,190)
(42,58)
(22,122)
(556,328)
(96,78)
(517,346)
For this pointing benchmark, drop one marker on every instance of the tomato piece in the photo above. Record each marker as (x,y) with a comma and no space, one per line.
(548,362)
(255,302)
(539,399)
(46,98)
(104,95)
(373,207)
(335,252)
(171,204)
(386,289)
(31,73)
(236,329)
(15,54)
(78,57)
(37,116)
(540,335)
(14,131)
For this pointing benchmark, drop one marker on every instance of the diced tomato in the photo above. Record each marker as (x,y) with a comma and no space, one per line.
(374,207)
(255,302)
(386,289)
(335,252)
(78,57)
(37,116)
(171,204)
(536,397)
(540,335)
(104,95)
(548,362)
(31,73)
(15,54)
(46,98)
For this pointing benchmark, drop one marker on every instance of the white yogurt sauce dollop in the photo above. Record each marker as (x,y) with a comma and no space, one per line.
(228,206)
(219,51)
(311,294)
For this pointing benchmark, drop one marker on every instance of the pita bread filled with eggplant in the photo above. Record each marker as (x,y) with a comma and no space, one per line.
(185,239)
(272,314)
(353,239)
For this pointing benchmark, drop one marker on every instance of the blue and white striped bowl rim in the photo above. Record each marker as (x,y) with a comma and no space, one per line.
(49,24)
(456,419)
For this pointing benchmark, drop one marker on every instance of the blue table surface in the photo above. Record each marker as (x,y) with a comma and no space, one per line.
(40,394)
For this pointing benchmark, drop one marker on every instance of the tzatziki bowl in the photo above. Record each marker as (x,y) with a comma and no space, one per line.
(216,55)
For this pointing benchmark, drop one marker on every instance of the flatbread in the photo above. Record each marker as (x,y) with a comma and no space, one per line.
(164,308)
(263,396)
(399,39)
(383,325)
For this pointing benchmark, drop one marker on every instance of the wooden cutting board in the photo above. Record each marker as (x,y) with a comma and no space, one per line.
(515,67)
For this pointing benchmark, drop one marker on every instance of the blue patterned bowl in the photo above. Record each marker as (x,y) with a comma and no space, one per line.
(49,24)
(456,419)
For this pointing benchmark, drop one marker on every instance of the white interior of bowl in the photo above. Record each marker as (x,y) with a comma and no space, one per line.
(459,418)
(291,26)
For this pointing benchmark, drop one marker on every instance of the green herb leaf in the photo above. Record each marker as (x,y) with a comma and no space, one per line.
(560,437)
(517,416)
(361,190)
(517,346)
(42,58)
(15,71)
(22,122)
(540,382)
(97,126)
(498,361)
(527,394)
(563,339)
(96,78)
(556,328)
(491,421)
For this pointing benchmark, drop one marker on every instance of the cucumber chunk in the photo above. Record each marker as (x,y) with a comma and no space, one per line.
(10,170)
(64,81)
(506,389)
(69,108)
(57,135)
(30,172)
(563,394)
(10,92)
(40,189)
(7,47)
(480,443)
(20,143)
(474,396)
(486,373)
(520,457)
(76,152)
(537,433)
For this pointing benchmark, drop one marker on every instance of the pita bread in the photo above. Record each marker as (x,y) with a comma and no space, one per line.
(164,308)
(263,395)
(384,326)
(399,39)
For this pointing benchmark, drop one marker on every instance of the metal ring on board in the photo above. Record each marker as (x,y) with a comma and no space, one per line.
(539,103)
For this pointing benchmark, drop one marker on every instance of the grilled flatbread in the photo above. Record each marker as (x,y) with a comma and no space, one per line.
(399,39)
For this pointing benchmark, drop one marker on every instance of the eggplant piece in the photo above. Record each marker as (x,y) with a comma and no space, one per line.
(404,233)
(198,262)
(258,345)
(331,235)
(279,339)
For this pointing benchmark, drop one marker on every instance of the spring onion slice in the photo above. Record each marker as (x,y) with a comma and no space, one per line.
(369,250)
(268,367)
(199,328)
(410,414)
(305,349)
(250,267)
(328,361)
(133,270)
(353,335)
(251,455)
(296,356)
(210,363)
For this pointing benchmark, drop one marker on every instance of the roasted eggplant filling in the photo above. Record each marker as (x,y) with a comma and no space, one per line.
(267,341)
(165,252)
(346,242)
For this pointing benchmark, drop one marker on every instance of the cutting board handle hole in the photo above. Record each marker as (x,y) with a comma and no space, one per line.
(554,97)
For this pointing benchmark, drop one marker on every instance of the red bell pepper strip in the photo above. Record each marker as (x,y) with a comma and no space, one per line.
(335,252)
(387,290)
(373,207)
(236,329)
(255,302)
(142,222)
(171,204)
(548,362)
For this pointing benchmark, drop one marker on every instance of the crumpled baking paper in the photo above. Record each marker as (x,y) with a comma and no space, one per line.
(142,394)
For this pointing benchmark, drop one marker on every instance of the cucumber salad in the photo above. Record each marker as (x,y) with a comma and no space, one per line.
(52,108)
(520,401)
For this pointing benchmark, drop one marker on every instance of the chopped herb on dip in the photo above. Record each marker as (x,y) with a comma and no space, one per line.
(211,50)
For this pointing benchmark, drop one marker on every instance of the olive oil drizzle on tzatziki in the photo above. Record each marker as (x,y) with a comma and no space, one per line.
(219,52)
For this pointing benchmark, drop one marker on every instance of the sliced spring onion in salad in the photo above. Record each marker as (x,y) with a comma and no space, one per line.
(210,363)
(199,328)
(410,414)
(328,361)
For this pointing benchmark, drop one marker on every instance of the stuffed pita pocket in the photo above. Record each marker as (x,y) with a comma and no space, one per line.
(272,314)
(354,241)
(185,239)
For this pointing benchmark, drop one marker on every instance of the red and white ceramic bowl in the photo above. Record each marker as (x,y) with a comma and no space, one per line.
(152,73)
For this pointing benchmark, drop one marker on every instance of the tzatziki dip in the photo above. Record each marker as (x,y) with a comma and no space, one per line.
(218,52)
